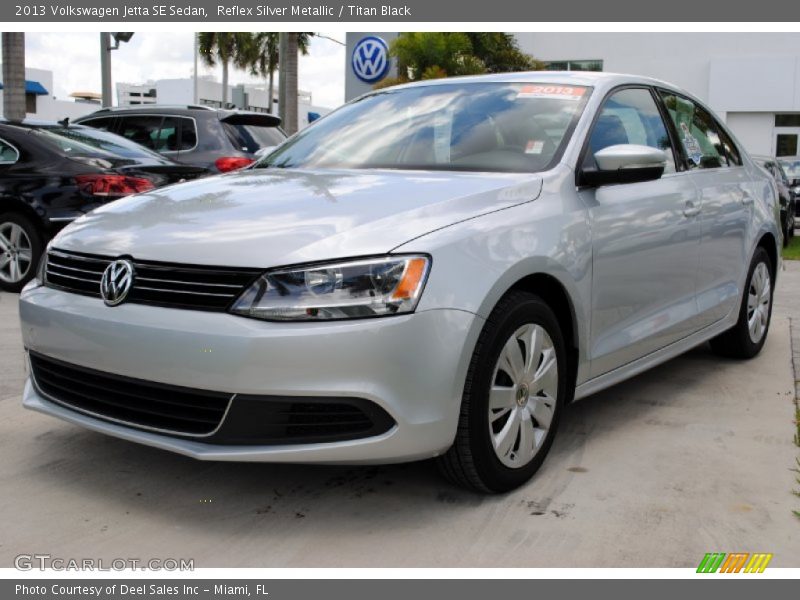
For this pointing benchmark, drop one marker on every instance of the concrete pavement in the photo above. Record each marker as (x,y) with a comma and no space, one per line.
(691,457)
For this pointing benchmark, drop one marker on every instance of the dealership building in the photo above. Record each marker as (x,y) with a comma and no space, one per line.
(751,80)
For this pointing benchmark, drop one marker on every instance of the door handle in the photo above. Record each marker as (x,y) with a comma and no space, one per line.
(747,199)
(691,210)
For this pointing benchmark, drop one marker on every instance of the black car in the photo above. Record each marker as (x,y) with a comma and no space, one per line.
(220,140)
(791,167)
(787,196)
(52,173)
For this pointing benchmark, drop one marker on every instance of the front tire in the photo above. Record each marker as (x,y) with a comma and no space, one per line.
(512,400)
(747,337)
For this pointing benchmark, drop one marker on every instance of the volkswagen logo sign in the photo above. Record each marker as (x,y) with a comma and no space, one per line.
(116,282)
(370,59)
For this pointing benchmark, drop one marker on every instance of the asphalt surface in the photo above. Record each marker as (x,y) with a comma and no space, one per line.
(692,457)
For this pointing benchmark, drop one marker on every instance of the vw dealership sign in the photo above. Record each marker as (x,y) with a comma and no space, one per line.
(370,60)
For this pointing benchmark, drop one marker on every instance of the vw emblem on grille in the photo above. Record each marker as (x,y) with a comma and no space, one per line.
(116,282)
(370,59)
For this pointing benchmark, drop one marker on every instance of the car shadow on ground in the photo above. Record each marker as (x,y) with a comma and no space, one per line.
(134,480)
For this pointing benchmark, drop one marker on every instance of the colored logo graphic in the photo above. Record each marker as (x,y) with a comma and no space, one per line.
(737,562)
(370,59)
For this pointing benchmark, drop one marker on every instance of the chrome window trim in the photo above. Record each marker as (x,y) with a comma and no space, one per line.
(14,148)
(121,118)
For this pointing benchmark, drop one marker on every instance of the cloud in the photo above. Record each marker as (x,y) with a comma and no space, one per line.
(74,59)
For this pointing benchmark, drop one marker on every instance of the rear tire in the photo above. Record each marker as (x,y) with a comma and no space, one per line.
(21,249)
(747,337)
(788,230)
(513,397)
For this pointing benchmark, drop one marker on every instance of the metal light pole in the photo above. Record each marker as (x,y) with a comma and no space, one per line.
(196,94)
(105,61)
(105,67)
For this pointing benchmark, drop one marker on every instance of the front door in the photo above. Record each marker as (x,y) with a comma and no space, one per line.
(646,240)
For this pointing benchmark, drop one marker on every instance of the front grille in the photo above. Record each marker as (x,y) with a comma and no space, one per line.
(135,402)
(216,417)
(161,284)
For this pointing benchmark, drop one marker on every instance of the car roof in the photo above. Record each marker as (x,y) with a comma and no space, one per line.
(177,109)
(596,79)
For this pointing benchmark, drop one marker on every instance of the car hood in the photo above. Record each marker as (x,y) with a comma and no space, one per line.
(263,218)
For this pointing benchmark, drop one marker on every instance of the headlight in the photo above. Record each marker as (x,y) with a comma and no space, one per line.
(342,290)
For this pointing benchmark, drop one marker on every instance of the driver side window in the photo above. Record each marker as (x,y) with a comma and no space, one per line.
(630,116)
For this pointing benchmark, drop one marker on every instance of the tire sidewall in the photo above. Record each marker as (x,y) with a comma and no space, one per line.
(753,348)
(495,475)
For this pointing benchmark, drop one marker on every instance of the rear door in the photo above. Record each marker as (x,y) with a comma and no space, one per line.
(645,237)
(726,205)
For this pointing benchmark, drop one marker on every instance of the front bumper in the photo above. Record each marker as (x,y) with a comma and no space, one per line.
(413,367)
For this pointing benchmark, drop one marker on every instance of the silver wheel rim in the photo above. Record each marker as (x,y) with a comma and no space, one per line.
(16,253)
(759,298)
(523,395)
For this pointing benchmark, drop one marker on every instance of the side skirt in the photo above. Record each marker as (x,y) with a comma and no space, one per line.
(648,361)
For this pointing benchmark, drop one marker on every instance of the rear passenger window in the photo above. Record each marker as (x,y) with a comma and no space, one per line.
(8,154)
(162,134)
(631,116)
(144,130)
(704,142)
(104,123)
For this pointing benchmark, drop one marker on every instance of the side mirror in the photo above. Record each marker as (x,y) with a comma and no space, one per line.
(625,163)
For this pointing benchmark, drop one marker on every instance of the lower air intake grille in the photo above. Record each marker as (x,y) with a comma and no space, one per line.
(179,410)
(214,417)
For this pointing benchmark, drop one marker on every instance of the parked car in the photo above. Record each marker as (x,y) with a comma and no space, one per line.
(786,195)
(51,173)
(219,140)
(791,166)
(433,270)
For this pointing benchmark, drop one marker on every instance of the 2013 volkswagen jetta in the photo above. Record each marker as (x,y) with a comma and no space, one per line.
(433,270)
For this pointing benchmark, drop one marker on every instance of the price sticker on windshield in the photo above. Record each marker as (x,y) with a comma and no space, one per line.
(557,92)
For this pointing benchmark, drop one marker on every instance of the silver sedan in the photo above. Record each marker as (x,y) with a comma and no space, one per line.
(433,270)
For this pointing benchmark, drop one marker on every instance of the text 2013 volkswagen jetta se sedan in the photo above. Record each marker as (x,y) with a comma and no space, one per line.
(433,270)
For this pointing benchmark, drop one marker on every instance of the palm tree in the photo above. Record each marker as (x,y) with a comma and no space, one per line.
(264,56)
(226,48)
(14,76)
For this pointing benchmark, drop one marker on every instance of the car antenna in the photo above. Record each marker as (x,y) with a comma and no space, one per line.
(64,122)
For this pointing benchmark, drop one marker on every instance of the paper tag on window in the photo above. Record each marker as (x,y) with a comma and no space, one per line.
(561,92)
(534,147)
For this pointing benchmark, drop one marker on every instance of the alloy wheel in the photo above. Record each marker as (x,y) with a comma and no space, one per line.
(759,299)
(16,253)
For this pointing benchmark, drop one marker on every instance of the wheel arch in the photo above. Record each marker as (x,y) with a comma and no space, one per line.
(769,243)
(12,204)
(555,294)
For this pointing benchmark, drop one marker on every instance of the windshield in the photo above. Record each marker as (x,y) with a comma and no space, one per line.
(792,167)
(83,140)
(477,127)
